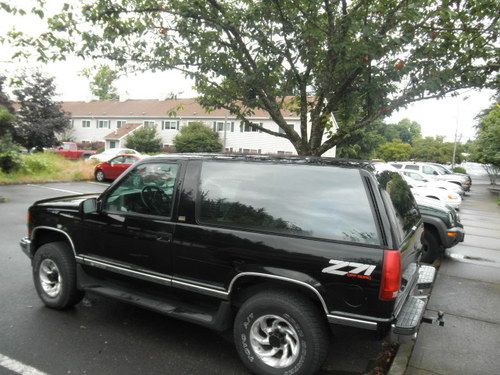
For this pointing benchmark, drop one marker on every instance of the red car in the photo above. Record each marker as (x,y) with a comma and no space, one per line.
(70,151)
(111,169)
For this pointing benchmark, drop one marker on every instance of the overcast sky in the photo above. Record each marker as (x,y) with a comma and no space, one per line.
(437,117)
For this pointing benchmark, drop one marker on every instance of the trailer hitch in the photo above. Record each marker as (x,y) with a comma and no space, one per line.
(439,320)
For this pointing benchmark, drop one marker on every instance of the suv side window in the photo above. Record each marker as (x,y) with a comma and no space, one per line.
(411,166)
(148,189)
(428,170)
(399,199)
(279,199)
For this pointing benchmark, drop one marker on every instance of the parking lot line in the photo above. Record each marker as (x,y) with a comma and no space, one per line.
(56,189)
(18,367)
(97,183)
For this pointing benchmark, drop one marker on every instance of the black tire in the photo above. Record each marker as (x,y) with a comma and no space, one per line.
(58,253)
(301,314)
(99,176)
(431,247)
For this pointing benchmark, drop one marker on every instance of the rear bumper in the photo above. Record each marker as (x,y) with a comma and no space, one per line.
(25,244)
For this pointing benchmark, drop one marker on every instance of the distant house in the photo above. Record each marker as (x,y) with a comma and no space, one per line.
(113,121)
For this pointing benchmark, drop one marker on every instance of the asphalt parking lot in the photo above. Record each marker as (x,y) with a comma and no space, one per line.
(102,336)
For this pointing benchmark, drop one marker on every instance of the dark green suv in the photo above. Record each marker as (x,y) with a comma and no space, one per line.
(442,228)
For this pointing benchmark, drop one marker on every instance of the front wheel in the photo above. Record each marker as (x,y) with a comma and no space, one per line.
(431,247)
(54,274)
(278,333)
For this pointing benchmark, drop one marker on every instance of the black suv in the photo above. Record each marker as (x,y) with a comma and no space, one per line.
(274,249)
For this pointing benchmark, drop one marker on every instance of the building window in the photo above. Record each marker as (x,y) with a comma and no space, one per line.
(169,125)
(112,144)
(149,124)
(102,124)
(218,126)
(281,131)
(250,129)
(120,123)
(85,123)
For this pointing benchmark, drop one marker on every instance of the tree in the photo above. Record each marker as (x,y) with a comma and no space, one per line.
(486,148)
(197,137)
(393,151)
(39,118)
(436,150)
(7,113)
(408,130)
(362,144)
(102,83)
(359,60)
(145,139)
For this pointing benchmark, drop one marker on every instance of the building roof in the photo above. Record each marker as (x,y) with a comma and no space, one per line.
(122,132)
(152,108)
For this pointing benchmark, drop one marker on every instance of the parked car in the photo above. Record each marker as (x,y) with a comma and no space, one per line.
(429,181)
(437,173)
(448,197)
(110,170)
(274,248)
(112,152)
(442,228)
(447,171)
(70,151)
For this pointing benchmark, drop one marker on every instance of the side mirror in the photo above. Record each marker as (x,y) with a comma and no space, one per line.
(89,206)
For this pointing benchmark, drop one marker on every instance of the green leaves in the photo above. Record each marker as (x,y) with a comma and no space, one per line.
(196,137)
(359,60)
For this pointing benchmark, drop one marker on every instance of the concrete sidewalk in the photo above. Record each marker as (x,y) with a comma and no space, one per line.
(467,289)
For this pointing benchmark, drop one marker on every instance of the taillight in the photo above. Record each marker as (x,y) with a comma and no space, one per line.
(28,222)
(391,275)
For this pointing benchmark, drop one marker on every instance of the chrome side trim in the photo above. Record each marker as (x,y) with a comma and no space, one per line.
(200,289)
(351,322)
(231,284)
(33,233)
(164,280)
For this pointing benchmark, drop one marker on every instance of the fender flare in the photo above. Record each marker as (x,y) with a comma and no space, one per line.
(46,228)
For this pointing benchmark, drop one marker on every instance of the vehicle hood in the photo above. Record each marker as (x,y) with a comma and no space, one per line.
(432,204)
(66,202)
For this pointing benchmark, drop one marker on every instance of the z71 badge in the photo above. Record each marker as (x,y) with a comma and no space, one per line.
(350,269)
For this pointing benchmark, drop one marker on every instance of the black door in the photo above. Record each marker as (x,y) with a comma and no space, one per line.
(134,227)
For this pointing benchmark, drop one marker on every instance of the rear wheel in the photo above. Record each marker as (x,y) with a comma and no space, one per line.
(54,274)
(278,332)
(99,176)
(431,246)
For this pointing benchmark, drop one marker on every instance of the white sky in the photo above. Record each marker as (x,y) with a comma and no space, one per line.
(437,117)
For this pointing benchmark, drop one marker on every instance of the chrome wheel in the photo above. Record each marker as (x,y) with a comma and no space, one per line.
(274,341)
(99,176)
(50,278)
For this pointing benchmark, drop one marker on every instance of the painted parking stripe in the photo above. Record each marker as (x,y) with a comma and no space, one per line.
(56,189)
(97,183)
(18,367)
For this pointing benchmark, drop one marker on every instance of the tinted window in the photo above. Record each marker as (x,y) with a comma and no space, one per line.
(399,199)
(148,189)
(313,201)
(398,166)
(411,166)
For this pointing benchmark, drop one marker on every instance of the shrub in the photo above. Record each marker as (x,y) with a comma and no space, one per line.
(10,161)
(459,170)
(196,137)
(144,140)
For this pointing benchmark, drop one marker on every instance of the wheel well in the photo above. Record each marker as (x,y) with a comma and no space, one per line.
(431,228)
(43,236)
(248,286)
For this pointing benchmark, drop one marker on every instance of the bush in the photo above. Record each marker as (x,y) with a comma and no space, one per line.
(10,161)
(196,137)
(145,140)
(459,170)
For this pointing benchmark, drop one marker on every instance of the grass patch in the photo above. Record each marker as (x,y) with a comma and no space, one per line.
(47,167)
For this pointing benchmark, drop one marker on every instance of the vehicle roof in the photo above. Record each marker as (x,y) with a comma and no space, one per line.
(266,158)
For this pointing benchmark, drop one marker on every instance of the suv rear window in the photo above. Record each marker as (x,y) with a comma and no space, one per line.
(312,201)
(399,199)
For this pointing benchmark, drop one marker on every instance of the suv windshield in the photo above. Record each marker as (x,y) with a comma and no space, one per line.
(311,201)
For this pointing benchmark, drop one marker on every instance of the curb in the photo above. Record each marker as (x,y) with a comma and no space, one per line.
(400,361)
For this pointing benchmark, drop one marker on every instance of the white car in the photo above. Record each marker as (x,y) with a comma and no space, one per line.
(112,152)
(430,182)
(448,197)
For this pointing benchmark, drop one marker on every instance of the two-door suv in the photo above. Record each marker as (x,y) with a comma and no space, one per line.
(280,250)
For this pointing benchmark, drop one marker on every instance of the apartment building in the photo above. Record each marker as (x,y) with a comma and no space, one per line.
(112,121)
